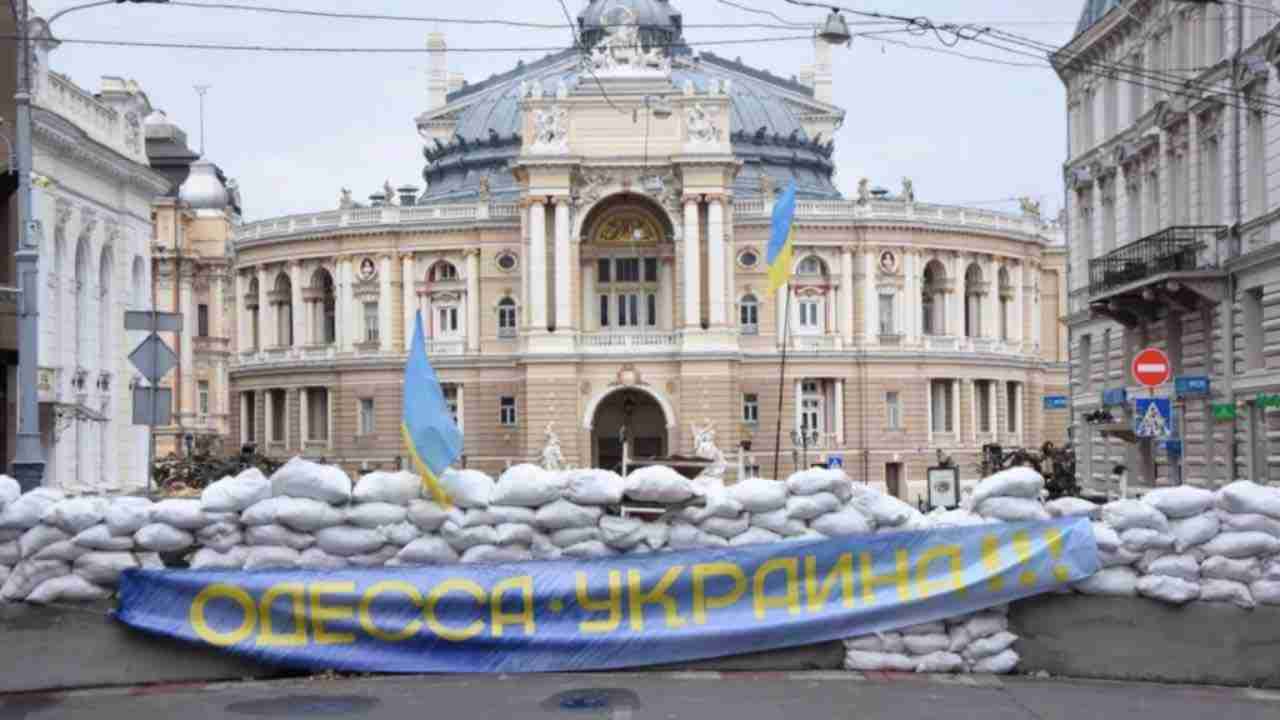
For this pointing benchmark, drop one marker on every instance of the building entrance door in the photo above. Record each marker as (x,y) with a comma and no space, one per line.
(645,424)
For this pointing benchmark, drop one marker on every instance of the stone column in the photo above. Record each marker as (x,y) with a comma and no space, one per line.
(991,300)
(955,410)
(473,301)
(217,324)
(298,313)
(846,294)
(342,328)
(563,274)
(408,298)
(266,312)
(1015,310)
(870,299)
(955,299)
(715,262)
(187,308)
(666,295)
(692,267)
(589,300)
(912,307)
(1033,306)
(537,265)
(384,303)
(243,331)
(304,419)
(838,413)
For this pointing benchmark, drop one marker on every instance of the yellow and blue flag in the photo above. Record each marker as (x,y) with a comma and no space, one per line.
(430,434)
(779,253)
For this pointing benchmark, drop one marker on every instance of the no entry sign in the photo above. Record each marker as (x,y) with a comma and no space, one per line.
(1151,368)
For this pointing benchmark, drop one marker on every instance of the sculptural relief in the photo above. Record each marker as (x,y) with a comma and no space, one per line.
(701,125)
(551,130)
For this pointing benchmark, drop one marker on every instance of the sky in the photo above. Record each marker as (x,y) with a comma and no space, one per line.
(294,129)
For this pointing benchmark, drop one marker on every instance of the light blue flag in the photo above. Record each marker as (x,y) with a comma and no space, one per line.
(782,239)
(430,434)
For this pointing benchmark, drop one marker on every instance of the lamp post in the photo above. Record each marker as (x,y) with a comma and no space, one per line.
(28,459)
(803,438)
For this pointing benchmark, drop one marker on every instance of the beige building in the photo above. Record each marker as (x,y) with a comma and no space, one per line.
(589,254)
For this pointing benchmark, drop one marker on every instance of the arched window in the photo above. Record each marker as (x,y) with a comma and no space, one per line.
(973,293)
(138,285)
(284,310)
(811,286)
(749,315)
(105,310)
(1006,297)
(931,300)
(811,265)
(324,309)
(507,318)
(80,309)
(443,271)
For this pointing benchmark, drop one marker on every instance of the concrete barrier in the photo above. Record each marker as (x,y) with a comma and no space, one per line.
(1135,639)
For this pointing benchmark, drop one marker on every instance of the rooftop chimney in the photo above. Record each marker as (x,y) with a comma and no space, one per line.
(438,75)
(408,195)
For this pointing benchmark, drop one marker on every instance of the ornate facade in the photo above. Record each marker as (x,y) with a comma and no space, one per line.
(588,256)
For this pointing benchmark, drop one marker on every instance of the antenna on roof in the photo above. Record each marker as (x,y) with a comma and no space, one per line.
(201,90)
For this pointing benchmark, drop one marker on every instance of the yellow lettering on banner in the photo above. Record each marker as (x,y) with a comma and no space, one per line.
(637,598)
(222,591)
(842,573)
(321,614)
(790,599)
(465,587)
(1022,550)
(611,605)
(1053,538)
(900,578)
(703,602)
(500,617)
(991,562)
(955,573)
(297,595)
(366,616)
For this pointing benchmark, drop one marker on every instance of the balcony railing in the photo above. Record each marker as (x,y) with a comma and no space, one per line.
(813,343)
(1174,249)
(446,347)
(941,342)
(614,341)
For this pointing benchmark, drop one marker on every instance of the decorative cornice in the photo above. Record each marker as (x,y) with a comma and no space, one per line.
(66,139)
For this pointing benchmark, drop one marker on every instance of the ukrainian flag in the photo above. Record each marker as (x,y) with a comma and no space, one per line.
(430,434)
(779,254)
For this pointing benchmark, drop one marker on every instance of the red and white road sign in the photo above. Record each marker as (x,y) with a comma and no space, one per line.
(1151,368)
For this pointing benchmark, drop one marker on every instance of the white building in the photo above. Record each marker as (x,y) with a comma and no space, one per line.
(93,200)
(1174,187)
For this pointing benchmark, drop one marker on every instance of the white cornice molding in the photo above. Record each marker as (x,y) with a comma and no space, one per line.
(69,141)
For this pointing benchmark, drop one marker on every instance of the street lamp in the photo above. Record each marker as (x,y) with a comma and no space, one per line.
(28,457)
(804,438)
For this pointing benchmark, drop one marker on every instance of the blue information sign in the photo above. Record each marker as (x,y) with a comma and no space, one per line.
(1153,417)
(1055,402)
(835,462)
(1115,396)
(1194,386)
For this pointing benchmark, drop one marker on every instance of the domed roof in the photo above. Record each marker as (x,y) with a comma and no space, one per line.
(658,21)
(202,189)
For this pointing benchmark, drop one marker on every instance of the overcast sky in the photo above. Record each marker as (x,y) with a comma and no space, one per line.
(295,128)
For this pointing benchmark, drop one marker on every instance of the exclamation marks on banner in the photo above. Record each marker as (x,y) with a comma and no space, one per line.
(1053,538)
(991,561)
(1022,550)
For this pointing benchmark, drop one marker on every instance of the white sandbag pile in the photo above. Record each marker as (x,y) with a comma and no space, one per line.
(978,643)
(1011,495)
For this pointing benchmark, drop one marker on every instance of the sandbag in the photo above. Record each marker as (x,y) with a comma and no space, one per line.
(1229,591)
(525,485)
(1168,589)
(271,558)
(26,511)
(1179,566)
(64,550)
(660,484)
(725,527)
(473,517)
(928,628)
(985,624)
(569,537)
(954,518)
(885,510)
(1011,509)
(317,559)
(778,522)
(865,643)
(958,638)
(468,488)
(1072,507)
(70,588)
(1266,592)
(10,553)
(755,536)
(161,538)
(1018,482)
(1118,557)
(99,537)
(940,662)
(926,644)
(514,534)
(563,514)
(1181,501)
(807,507)
(842,522)
(594,487)
(499,514)
(1001,664)
(1195,530)
(1127,514)
(210,559)
(377,558)
(718,502)
(72,516)
(426,515)
(40,537)
(26,576)
(589,549)
(301,478)
(1249,522)
(820,480)
(401,533)
(235,494)
(1271,571)
(1107,539)
(182,513)
(128,515)
(104,568)
(10,491)
(621,533)
(375,514)
(262,512)
(494,555)
(460,538)
(1248,497)
(346,541)
(1241,545)
(759,494)
(278,536)
(1245,570)
(149,560)
(307,514)
(990,645)
(878,662)
(394,488)
(1141,539)
(220,536)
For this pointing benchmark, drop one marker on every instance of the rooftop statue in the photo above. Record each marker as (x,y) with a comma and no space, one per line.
(622,53)
(552,457)
(1030,207)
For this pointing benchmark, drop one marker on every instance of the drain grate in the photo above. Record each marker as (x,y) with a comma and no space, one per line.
(591,700)
(305,706)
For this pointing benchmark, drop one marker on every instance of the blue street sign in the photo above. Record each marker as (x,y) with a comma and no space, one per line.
(1056,402)
(835,462)
(1114,397)
(1194,386)
(1153,417)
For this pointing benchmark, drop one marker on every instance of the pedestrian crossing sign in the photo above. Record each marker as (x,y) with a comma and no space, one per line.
(1153,418)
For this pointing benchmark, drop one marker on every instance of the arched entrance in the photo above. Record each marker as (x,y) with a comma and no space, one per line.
(644,420)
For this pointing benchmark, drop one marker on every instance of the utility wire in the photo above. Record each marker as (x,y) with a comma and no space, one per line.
(584,61)
(768,13)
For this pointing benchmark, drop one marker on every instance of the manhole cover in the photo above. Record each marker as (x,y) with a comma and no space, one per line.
(591,700)
(304,706)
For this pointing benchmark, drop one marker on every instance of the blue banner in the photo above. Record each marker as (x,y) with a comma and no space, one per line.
(610,613)
(1114,397)
(1194,386)
(1056,402)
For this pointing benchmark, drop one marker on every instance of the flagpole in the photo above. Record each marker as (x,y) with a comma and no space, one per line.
(782,381)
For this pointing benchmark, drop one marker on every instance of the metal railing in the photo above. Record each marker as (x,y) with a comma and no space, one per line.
(1174,249)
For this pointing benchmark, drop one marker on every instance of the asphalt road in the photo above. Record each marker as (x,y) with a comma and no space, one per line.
(672,696)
